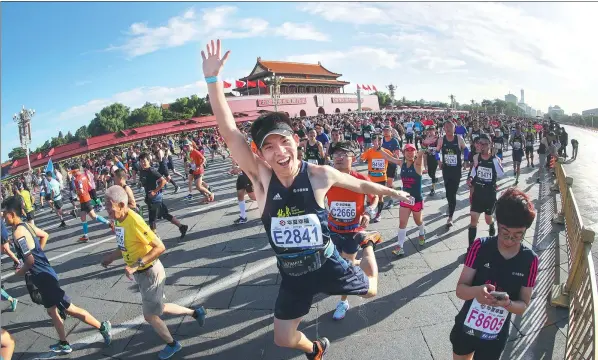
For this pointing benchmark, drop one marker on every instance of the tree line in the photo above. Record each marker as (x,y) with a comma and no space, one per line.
(116,117)
(495,106)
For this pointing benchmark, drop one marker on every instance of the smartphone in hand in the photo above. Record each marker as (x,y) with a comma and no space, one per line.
(499,295)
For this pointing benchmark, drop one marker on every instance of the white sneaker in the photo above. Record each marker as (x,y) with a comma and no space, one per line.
(341,310)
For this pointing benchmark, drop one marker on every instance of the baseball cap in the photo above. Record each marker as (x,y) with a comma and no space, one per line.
(409,147)
(274,123)
(347,146)
(386,127)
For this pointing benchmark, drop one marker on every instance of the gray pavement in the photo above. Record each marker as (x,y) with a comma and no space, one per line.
(231,271)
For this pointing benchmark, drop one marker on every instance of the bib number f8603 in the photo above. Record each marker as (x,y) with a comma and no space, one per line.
(302,231)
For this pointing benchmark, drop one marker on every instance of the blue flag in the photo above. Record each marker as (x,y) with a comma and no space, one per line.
(50,167)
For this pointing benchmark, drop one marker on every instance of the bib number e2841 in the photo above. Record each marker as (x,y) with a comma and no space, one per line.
(343,210)
(484,321)
(301,231)
(378,164)
(450,159)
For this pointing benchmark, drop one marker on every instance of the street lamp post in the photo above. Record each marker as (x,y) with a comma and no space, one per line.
(23,120)
(275,82)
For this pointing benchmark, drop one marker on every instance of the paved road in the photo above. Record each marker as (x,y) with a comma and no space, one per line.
(232,272)
(585,172)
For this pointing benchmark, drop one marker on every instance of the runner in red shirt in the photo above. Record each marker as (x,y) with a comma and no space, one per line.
(83,187)
(196,162)
(348,217)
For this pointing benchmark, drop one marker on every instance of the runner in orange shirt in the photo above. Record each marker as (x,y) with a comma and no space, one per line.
(82,187)
(378,159)
(196,162)
(348,217)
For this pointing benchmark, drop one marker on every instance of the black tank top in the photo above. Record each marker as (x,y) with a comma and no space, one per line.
(451,154)
(292,218)
(312,152)
(485,173)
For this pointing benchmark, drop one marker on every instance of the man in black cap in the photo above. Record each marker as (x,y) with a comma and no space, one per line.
(291,197)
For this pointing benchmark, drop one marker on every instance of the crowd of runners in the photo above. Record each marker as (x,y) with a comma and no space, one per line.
(314,205)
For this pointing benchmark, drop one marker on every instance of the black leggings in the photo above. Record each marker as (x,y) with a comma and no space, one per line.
(432,166)
(451,186)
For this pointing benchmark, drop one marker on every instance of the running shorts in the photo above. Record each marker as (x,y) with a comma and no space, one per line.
(335,277)
(483,201)
(243,183)
(345,242)
(416,207)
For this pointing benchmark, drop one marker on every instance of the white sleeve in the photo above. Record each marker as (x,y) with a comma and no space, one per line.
(499,170)
(473,172)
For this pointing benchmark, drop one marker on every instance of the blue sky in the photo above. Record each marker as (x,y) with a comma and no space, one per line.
(71,59)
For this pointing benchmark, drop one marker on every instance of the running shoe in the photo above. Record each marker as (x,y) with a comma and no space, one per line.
(106,333)
(189,197)
(422,240)
(84,238)
(321,347)
(398,251)
(341,310)
(13,304)
(376,219)
(169,351)
(183,229)
(365,237)
(176,189)
(240,220)
(61,348)
(62,224)
(200,315)
(432,192)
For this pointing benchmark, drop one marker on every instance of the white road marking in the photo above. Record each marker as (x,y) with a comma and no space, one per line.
(95,243)
(186,301)
(211,206)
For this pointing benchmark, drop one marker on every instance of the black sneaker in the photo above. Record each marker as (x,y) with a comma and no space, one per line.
(183,229)
(240,220)
(62,224)
(321,345)
(176,189)
(432,192)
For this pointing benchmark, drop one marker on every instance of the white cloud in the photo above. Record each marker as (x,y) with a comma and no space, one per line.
(132,98)
(294,31)
(83,82)
(373,58)
(220,22)
(541,46)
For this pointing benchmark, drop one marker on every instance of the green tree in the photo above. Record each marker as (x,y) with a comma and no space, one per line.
(383,99)
(69,138)
(110,119)
(145,115)
(81,133)
(17,153)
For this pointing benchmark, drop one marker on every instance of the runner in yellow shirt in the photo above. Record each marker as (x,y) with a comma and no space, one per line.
(140,247)
(28,202)
(378,159)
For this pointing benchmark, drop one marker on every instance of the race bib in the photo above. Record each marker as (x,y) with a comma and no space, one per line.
(484,321)
(193,166)
(516,145)
(343,210)
(313,161)
(366,135)
(120,237)
(378,164)
(498,146)
(301,231)
(450,159)
(484,173)
(411,201)
(347,135)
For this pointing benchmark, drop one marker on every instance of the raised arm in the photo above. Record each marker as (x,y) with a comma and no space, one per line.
(240,151)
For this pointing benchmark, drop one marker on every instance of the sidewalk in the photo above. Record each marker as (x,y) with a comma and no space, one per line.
(231,271)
